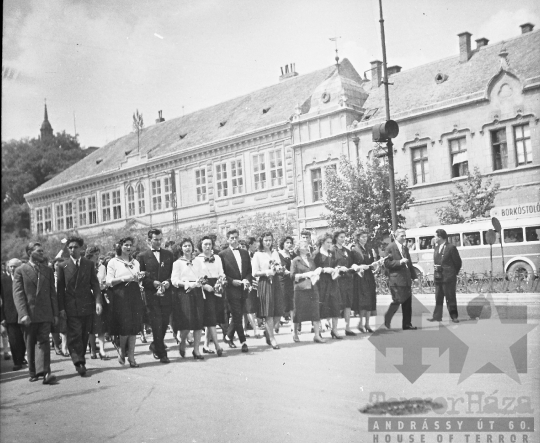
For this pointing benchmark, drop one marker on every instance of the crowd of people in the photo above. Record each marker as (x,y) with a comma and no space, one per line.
(89,300)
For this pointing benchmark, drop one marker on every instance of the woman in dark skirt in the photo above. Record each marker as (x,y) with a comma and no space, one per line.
(209,265)
(365,288)
(306,294)
(187,303)
(329,295)
(127,304)
(271,305)
(344,259)
(251,306)
(285,256)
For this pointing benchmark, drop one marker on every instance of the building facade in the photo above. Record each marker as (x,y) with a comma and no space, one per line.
(268,150)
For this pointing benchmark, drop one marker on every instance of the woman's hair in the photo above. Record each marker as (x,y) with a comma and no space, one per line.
(301,243)
(251,240)
(336,235)
(206,237)
(360,232)
(91,251)
(261,238)
(323,238)
(284,239)
(177,248)
(120,243)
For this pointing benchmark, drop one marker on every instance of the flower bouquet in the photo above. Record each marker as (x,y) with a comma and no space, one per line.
(248,287)
(277,268)
(219,287)
(201,281)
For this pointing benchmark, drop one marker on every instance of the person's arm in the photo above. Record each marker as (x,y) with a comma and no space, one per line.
(61,288)
(54,298)
(96,288)
(456,258)
(390,262)
(19,296)
(248,270)
(256,266)
(176,274)
(147,281)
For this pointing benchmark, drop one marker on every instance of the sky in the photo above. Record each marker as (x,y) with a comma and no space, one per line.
(97,61)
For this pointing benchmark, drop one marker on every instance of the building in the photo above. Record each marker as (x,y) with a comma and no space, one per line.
(268,150)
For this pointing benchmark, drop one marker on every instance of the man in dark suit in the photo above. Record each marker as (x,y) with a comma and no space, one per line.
(237,268)
(157,264)
(79,294)
(10,317)
(447,266)
(35,299)
(401,275)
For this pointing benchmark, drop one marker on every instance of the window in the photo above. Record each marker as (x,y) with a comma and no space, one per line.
(39,221)
(499,149)
(522,138)
(259,171)
(420,165)
(167,187)
(156,195)
(60,217)
(471,238)
(131,201)
(92,210)
(47,215)
(221,180)
(425,242)
(82,212)
(200,184)
(117,208)
(106,206)
(140,198)
(316,184)
(276,167)
(455,239)
(458,154)
(513,235)
(497,237)
(237,177)
(532,233)
(69,215)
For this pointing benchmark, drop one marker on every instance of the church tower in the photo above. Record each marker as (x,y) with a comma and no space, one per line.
(46,128)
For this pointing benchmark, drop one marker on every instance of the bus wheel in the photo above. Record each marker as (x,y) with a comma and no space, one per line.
(520,271)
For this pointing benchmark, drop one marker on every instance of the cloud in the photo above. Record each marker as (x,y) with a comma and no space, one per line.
(505,24)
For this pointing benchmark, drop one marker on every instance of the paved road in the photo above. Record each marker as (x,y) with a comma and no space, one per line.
(304,392)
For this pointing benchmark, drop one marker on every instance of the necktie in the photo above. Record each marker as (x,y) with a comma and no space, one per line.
(210,259)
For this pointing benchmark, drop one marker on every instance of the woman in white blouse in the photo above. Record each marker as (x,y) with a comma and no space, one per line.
(188,303)
(209,265)
(271,303)
(126,300)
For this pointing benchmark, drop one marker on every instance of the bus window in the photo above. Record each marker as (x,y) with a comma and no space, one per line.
(411,244)
(425,242)
(497,237)
(514,235)
(532,233)
(455,239)
(471,239)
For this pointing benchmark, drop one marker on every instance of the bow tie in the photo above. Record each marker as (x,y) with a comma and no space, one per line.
(156,250)
(189,263)
(235,249)
(209,259)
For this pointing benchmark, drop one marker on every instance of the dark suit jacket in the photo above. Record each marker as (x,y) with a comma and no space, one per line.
(450,261)
(399,274)
(156,272)
(33,296)
(230,268)
(78,292)
(9,311)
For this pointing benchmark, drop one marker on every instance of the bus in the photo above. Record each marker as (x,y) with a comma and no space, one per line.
(520,246)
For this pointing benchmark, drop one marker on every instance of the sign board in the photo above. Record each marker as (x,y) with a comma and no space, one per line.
(516,211)
(491,237)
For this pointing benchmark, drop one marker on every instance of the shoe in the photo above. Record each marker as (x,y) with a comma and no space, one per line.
(121,359)
(104,357)
(275,347)
(190,342)
(24,362)
(33,378)
(164,359)
(81,369)
(7,357)
(220,352)
(319,340)
(387,324)
(276,329)
(208,351)
(455,320)
(143,339)
(231,343)
(17,367)
(57,351)
(433,319)
(368,329)
(350,333)
(295,339)
(335,336)
(198,356)
(245,348)
(182,351)
(133,364)
(267,338)
(49,379)
(410,328)
(67,354)
(93,357)
(361,329)
(258,336)
(152,348)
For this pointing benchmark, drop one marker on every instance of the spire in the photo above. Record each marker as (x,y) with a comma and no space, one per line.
(46,128)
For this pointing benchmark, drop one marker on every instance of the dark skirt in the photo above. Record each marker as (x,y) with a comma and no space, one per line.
(270,297)
(346,290)
(127,309)
(306,305)
(329,297)
(100,323)
(214,307)
(187,309)
(287,289)
(366,293)
(251,306)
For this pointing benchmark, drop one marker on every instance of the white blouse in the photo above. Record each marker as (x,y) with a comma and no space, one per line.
(118,268)
(261,261)
(184,271)
(211,270)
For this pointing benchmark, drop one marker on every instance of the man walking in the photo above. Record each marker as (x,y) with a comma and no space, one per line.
(35,299)
(402,273)
(79,294)
(10,316)
(157,265)
(447,266)
(237,269)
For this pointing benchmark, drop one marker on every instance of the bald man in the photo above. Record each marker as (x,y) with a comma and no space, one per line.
(10,319)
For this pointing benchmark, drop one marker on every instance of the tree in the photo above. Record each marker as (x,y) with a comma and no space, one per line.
(358,197)
(473,198)
(278,223)
(138,125)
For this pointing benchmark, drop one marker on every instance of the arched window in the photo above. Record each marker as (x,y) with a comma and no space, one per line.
(140,198)
(131,201)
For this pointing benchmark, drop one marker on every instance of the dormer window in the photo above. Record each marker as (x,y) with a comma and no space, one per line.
(223,123)
(440,78)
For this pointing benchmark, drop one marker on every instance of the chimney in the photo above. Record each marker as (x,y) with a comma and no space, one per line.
(464,47)
(526,27)
(393,70)
(288,71)
(481,42)
(376,73)
(160,117)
